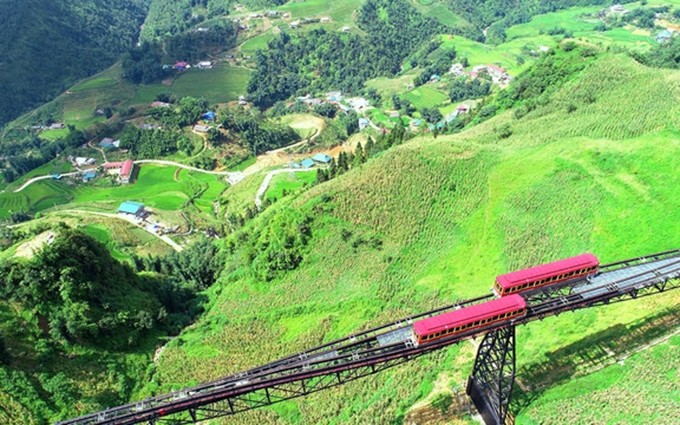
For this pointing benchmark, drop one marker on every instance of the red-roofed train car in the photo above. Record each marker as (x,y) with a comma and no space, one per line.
(465,319)
(546,274)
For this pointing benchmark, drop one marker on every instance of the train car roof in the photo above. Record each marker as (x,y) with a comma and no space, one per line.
(546,270)
(469,314)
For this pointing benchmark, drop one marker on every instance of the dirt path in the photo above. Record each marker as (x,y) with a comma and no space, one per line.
(35,179)
(268,179)
(101,151)
(174,245)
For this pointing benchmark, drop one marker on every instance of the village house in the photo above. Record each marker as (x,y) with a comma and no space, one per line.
(200,128)
(295,24)
(88,176)
(462,109)
(57,126)
(664,36)
(435,78)
(498,75)
(617,9)
(273,13)
(205,65)
(322,158)
(159,104)
(457,69)
(81,161)
(325,20)
(242,100)
(209,116)
(307,163)
(358,103)
(345,29)
(106,143)
(363,123)
(131,208)
(201,29)
(181,66)
(123,170)
(286,15)
(334,96)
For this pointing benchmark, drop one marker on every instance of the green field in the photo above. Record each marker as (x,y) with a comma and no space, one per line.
(340,11)
(155,187)
(289,182)
(452,213)
(439,11)
(221,84)
(94,83)
(426,96)
(256,43)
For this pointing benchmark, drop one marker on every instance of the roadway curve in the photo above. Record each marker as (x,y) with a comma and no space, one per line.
(268,178)
(35,179)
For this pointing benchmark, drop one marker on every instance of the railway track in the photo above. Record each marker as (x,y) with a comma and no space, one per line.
(379,348)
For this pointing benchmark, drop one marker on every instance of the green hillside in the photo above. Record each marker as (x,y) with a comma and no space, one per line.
(433,221)
(47,46)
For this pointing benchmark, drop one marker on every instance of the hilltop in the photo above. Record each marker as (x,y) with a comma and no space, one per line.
(433,221)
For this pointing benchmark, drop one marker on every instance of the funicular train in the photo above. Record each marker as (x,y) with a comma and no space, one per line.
(509,304)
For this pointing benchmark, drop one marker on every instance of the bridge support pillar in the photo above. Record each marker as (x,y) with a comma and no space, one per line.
(493,376)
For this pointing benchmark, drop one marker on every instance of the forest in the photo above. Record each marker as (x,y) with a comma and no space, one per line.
(48,46)
(322,60)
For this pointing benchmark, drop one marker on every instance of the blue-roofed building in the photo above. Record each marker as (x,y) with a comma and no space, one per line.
(307,163)
(106,143)
(129,207)
(664,36)
(209,116)
(89,176)
(363,123)
(322,158)
(56,176)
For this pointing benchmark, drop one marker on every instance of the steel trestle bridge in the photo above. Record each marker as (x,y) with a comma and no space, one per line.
(377,349)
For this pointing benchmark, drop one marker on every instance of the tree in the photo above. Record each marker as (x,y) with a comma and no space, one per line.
(431,115)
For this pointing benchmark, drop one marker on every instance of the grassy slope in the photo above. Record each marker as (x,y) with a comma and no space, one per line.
(452,213)
(155,186)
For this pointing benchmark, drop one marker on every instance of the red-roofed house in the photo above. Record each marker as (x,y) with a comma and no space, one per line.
(181,66)
(126,171)
(123,169)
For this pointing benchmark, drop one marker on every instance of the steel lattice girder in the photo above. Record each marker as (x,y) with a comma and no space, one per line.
(274,394)
(493,375)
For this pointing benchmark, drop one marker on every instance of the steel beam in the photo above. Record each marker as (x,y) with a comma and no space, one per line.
(493,375)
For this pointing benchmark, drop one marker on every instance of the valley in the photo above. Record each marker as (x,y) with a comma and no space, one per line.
(306,170)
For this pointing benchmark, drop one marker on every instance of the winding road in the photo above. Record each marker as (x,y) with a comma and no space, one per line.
(268,178)
(35,179)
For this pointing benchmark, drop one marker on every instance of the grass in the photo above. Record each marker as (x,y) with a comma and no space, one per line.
(53,135)
(305,125)
(221,84)
(648,380)
(426,96)
(94,83)
(452,213)
(155,186)
(257,43)
(439,11)
(341,12)
(289,183)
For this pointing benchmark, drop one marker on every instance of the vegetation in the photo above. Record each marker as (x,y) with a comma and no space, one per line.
(256,133)
(322,60)
(429,221)
(47,47)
